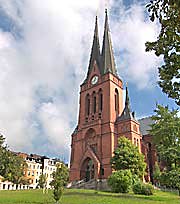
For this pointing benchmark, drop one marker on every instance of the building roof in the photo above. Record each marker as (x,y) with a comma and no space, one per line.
(145,125)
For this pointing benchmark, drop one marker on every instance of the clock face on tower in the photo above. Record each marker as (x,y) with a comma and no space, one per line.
(94,80)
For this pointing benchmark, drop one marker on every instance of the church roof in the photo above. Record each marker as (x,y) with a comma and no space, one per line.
(107,56)
(126,114)
(145,125)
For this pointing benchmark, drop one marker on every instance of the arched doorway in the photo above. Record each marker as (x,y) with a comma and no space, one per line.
(87,170)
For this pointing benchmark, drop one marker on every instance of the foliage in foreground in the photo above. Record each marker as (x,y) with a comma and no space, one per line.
(142,188)
(166,137)
(60,178)
(11,165)
(167,12)
(127,157)
(42,181)
(120,181)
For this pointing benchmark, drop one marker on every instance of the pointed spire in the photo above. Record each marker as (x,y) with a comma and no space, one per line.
(107,58)
(95,51)
(126,114)
(127,102)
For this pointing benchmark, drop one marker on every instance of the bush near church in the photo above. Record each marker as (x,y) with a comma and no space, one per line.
(142,188)
(130,168)
(120,181)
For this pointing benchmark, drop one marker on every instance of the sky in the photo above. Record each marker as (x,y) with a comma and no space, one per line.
(44,54)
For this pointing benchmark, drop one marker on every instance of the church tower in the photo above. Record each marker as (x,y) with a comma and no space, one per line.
(101,114)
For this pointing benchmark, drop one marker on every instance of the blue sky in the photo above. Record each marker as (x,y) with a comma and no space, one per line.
(44,56)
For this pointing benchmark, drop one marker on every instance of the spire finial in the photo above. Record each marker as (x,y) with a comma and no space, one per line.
(106,5)
(96,27)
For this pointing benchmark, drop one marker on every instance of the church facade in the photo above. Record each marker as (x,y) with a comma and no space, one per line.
(103,117)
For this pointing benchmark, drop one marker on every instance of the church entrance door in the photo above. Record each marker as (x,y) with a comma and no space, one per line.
(87,170)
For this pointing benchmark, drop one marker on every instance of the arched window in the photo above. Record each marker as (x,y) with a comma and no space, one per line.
(100,100)
(94,102)
(116,100)
(137,143)
(87,105)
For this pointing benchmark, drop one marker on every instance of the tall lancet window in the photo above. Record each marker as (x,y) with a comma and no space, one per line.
(94,102)
(100,95)
(87,105)
(116,100)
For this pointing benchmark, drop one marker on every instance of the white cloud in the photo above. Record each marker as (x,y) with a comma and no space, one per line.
(48,62)
(41,72)
(131,32)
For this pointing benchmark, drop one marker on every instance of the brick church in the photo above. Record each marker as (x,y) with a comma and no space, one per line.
(103,117)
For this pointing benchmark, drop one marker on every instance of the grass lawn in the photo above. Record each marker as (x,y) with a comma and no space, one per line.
(75,196)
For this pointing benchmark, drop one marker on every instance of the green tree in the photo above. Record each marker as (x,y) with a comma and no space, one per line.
(60,179)
(120,181)
(156,173)
(166,136)
(127,156)
(42,181)
(171,179)
(11,166)
(167,12)
(2,139)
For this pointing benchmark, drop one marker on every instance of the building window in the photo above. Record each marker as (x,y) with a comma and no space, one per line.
(4,186)
(94,102)
(100,100)
(116,100)
(135,128)
(137,143)
(94,147)
(102,171)
(87,105)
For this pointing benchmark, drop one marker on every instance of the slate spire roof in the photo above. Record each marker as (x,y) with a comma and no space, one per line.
(95,51)
(107,57)
(126,114)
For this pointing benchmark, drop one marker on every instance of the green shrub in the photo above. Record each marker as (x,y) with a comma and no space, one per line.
(120,181)
(143,189)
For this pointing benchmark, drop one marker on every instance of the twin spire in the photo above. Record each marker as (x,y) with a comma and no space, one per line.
(105,59)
